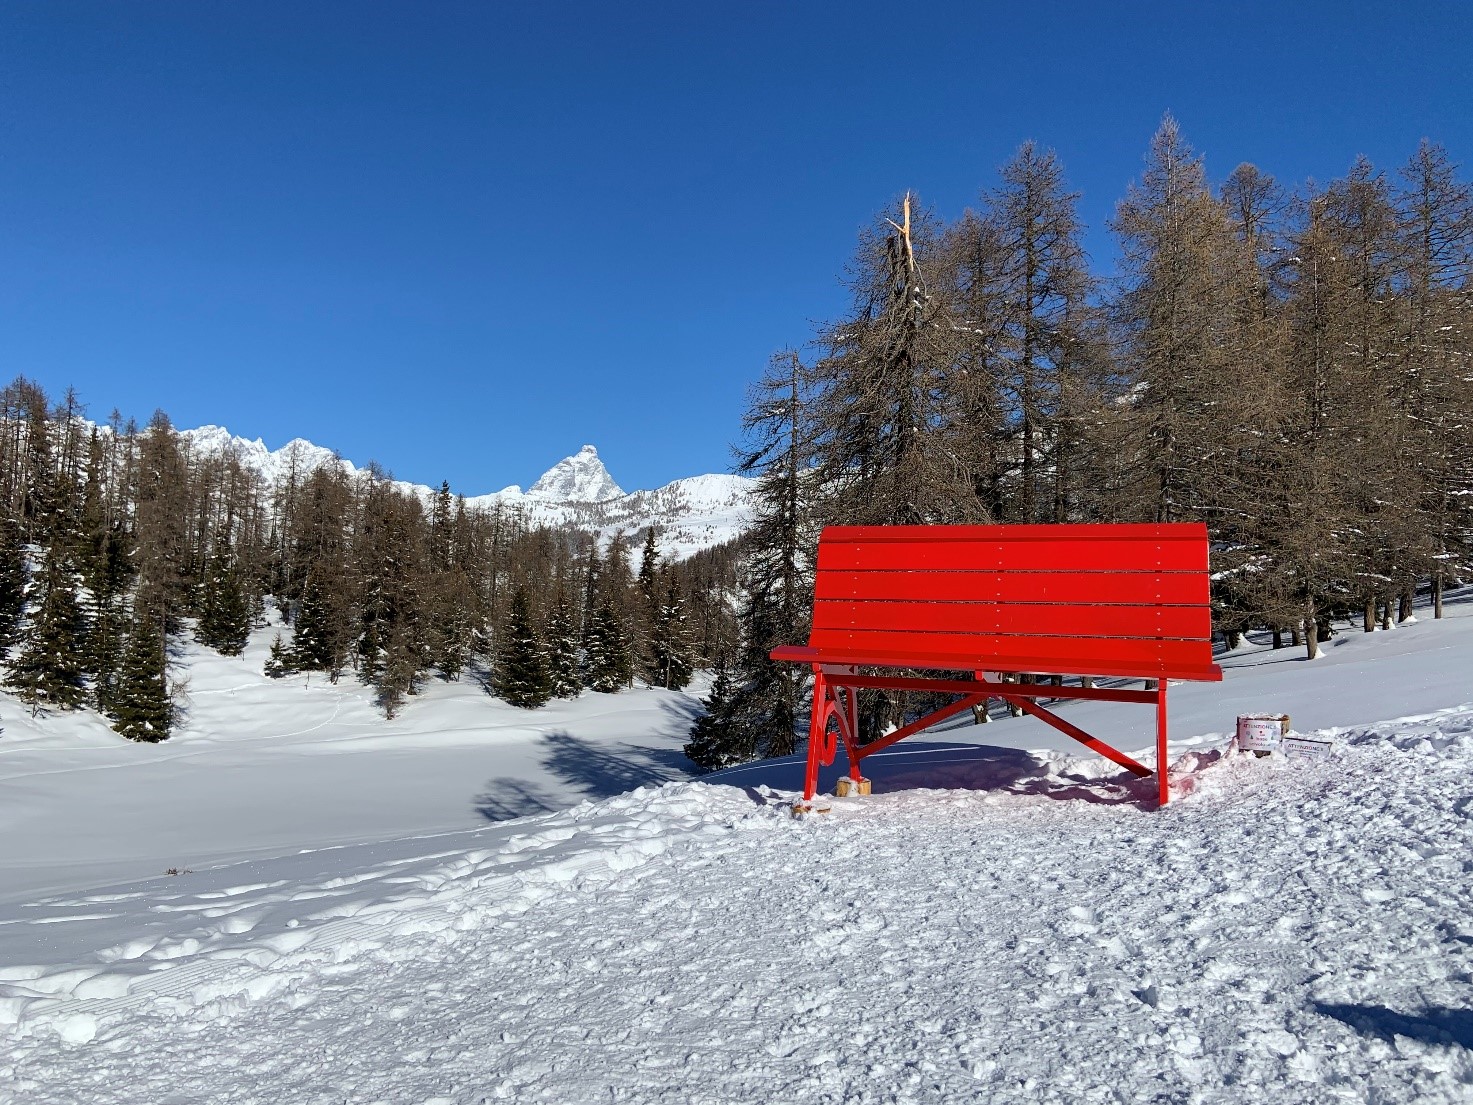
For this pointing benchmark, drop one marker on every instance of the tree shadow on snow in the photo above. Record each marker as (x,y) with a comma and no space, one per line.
(601,769)
(1458,597)
(595,769)
(932,765)
(1432,1026)
(683,713)
(504,799)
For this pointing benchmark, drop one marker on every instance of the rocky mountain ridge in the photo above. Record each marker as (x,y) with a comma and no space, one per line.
(688,514)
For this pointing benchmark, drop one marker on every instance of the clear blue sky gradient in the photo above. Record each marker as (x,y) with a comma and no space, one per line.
(465,239)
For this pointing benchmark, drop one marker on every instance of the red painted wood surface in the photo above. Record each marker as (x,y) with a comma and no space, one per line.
(1157,588)
(1088,600)
(1181,548)
(1185,623)
(1064,655)
(1112,600)
(896,658)
(993,689)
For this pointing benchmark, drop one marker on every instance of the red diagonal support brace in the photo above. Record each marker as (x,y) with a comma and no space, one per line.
(924,723)
(1072,730)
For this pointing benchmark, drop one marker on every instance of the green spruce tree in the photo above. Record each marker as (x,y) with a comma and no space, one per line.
(718,739)
(399,672)
(280,661)
(669,654)
(13,576)
(49,670)
(312,647)
(521,671)
(142,707)
(607,663)
(108,573)
(225,614)
(563,676)
(106,645)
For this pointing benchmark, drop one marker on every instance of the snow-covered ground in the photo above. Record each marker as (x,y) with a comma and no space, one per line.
(991,925)
(260,767)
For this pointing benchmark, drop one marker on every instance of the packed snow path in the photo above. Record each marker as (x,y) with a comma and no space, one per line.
(1287,931)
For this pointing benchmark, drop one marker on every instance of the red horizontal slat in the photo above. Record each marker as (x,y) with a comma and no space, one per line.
(957,554)
(1086,531)
(1165,588)
(1182,622)
(1105,665)
(985,650)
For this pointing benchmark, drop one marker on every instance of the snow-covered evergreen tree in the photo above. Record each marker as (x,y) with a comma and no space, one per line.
(563,678)
(312,647)
(776,573)
(607,664)
(49,671)
(521,671)
(718,739)
(280,661)
(142,707)
(668,656)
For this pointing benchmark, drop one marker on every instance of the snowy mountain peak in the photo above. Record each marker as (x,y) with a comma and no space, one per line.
(581,478)
(688,515)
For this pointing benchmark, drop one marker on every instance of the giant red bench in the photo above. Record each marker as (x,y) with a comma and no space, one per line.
(1128,601)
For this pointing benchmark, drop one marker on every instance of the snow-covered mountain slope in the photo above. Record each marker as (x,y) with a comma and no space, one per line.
(688,514)
(581,478)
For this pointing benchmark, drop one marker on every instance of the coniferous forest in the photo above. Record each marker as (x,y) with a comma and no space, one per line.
(118,541)
(1291,366)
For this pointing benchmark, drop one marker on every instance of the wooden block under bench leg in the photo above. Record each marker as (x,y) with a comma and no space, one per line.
(803,809)
(849,788)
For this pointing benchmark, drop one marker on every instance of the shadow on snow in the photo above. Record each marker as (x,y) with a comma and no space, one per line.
(1431,1026)
(933,765)
(595,769)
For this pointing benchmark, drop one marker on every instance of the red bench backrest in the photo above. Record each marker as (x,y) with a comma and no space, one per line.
(1074,599)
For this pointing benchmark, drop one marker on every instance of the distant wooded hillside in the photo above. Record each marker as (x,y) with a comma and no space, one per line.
(114,539)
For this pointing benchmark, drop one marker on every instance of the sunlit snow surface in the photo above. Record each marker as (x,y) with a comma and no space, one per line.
(1286,932)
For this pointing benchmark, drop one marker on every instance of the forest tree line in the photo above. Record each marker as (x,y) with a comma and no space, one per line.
(1294,369)
(1290,367)
(115,541)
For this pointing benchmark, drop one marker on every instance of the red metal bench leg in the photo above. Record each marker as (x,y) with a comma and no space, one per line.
(846,715)
(1162,784)
(817,723)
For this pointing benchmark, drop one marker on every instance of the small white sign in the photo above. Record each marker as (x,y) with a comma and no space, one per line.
(1261,732)
(1302,748)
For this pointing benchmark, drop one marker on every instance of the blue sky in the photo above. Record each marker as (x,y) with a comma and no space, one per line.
(465,239)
